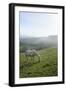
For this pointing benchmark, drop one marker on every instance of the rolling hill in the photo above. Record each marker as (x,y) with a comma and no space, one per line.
(38,42)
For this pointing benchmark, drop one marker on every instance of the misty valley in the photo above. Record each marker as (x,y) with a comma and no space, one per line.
(37,43)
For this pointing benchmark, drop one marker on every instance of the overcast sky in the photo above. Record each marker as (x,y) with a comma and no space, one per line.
(38,24)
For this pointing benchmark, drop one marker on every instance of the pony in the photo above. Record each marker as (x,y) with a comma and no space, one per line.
(32,53)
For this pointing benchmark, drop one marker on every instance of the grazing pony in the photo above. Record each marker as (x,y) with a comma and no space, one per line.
(32,53)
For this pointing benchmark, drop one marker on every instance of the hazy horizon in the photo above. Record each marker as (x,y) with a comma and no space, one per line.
(38,24)
(25,36)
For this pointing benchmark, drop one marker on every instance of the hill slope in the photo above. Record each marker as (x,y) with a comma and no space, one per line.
(46,67)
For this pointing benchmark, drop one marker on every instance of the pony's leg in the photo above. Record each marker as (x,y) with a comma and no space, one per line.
(26,57)
(38,58)
(31,58)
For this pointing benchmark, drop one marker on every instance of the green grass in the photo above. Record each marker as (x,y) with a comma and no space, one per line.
(46,67)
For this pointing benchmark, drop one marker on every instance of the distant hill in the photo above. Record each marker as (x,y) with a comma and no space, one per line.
(39,42)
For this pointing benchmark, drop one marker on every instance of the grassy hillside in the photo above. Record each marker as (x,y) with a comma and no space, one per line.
(46,67)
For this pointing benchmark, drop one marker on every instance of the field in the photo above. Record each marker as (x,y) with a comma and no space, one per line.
(47,66)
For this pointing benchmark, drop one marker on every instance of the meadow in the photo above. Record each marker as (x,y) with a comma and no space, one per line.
(48,65)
